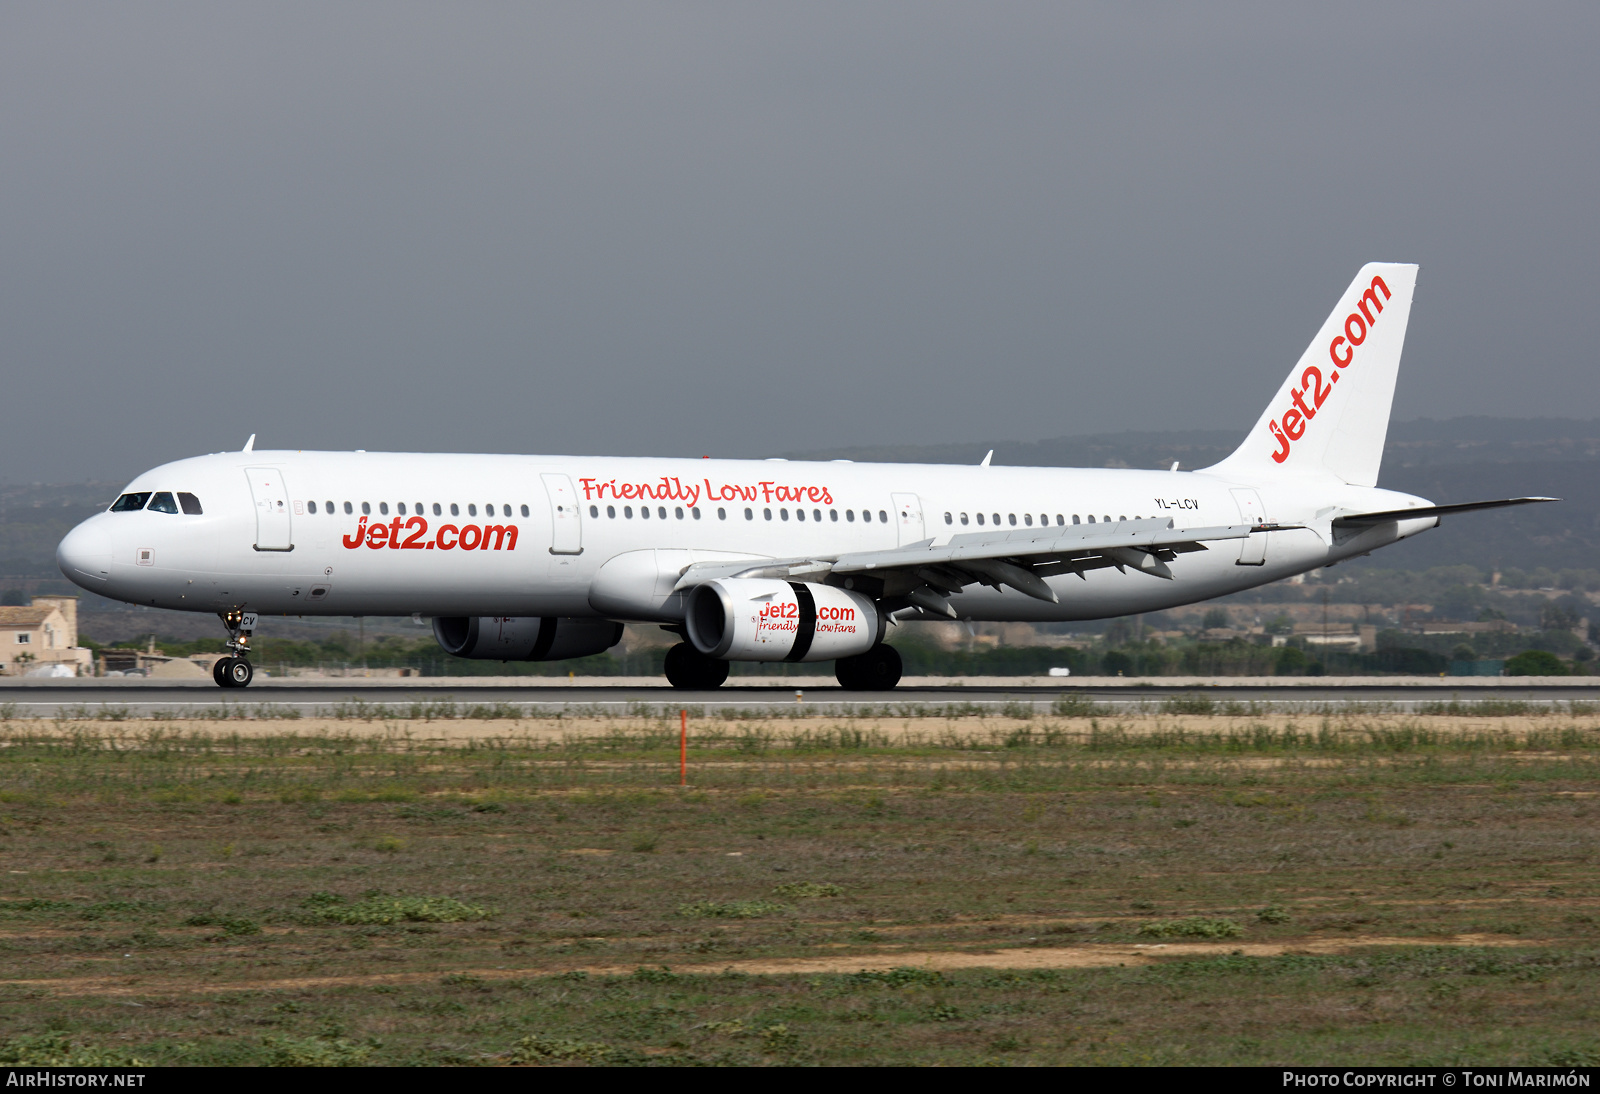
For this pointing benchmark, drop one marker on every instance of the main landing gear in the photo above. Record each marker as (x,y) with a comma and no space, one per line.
(876,670)
(691,670)
(234,670)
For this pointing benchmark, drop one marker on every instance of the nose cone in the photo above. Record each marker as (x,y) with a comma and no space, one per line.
(84,556)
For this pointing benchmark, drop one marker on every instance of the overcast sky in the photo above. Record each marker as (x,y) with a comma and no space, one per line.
(741,229)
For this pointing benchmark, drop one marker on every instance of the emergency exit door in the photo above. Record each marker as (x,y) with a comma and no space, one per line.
(566,521)
(271,497)
(908,514)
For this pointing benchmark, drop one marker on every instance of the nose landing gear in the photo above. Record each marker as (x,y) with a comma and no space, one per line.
(235,671)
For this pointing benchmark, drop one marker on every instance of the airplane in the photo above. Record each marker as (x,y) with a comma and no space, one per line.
(544,558)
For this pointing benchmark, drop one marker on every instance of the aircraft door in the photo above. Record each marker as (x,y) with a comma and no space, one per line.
(908,513)
(1253,548)
(566,521)
(271,497)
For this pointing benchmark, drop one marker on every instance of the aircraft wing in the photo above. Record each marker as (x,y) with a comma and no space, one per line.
(922,574)
(1364,520)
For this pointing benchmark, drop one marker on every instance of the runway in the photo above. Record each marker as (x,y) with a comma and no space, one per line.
(545,696)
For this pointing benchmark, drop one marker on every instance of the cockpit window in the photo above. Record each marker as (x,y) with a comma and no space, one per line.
(163,503)
(190,503)
(130,502)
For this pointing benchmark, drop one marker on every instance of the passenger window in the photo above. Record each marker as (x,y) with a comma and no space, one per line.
(329,506)
(401,509)
(524,510)
(455,510)
(1013,517)
(627,511)
(1075,519)
(366,509)
(997,519)
(722,514)
(963,518)
(472,510)
(488,510)
(1106,519)
(799,514)
(661,511)
(163,503)
(1027,518)
(980,518)
(1091,518)
(1060,519)
(311,506)
(644,512)
(749,515)
(419,509)
(849,516)
(347,509)
(949,518)
(128,503)
(1121,517)
(883,518)
(696,512)
(767,513)
(866,516)
(383,508)
(816,515)
(833,515)
(191,504)
(594,510)
(677,511)
(611,511)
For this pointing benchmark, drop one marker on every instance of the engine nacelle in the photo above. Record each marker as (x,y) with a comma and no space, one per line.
(762,619)
(525,638)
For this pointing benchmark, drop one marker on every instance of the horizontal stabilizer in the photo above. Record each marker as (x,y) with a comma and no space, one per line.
(1363,520)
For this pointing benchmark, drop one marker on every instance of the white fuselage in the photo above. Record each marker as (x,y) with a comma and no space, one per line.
(569,536)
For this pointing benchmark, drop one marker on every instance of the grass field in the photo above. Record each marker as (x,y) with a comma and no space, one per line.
(1188,885)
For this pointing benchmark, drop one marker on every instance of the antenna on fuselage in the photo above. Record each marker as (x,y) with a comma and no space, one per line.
(987,458)
(250,445)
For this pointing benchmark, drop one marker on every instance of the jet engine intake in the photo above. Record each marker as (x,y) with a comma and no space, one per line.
(525,638)
(764,619)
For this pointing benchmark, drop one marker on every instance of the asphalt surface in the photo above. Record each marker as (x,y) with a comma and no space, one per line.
(193,699)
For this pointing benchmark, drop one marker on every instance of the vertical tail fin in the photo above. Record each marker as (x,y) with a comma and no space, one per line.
(1331,415)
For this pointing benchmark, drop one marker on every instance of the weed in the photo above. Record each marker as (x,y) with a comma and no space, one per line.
(1274,913)
(1188,703)
(1075,706)
(777,1039)
(901,977)
(55,1050)
(315,1052)
(645,844)
(381,910)
(1194,926)
(661,974)
(808,890)
(389,845)
(732,909)
(536,1049)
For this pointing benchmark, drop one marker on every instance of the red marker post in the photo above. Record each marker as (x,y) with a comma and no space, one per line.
(683,748)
